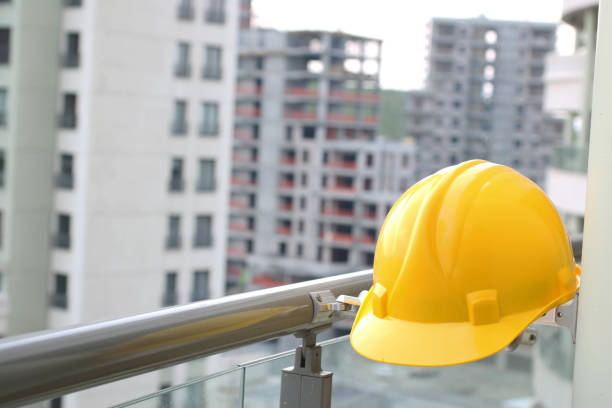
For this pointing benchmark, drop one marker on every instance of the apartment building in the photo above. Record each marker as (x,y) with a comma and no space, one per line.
(115,124)
(484,96)
(310,181)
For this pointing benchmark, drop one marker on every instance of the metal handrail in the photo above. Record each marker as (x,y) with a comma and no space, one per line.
(47,364)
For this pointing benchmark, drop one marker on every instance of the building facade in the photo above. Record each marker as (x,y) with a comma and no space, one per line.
(115,144)
(569,81)
(310,181)
(484,96)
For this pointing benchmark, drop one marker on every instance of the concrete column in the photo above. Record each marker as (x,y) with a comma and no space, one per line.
(589,29)
(593,362)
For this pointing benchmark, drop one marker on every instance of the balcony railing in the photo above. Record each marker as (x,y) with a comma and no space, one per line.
(300,115)
(571,158)
(248,111)
(338,211)
(282,230)
(205,185)
(342,164)
(179,127)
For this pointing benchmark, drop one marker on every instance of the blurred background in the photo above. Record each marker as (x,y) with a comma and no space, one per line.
(160,152)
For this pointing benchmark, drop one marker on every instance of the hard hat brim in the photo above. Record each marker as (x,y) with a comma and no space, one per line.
(395,341)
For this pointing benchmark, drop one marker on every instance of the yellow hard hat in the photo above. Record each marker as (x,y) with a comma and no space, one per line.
(466,259)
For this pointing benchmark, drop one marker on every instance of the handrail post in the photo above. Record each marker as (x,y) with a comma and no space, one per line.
(593,362)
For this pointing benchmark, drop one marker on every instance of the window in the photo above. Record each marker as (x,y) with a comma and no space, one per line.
(288,134)
(2,165)
(182,69)
(68,118)
(71,58)
(62,238)
(405,160)
(203,233)
(282,248)
(5,45)
(173,239)
(300,250)
(170,297)
(212,64)
(210,119)
(176,183)
(308,132)
(59,298)
(305,156)
(200,286)
(3,107)
(179,123)
(301,226)
(367,184)
(206,177)
(302,203)
(370,160)
(304,179)
(185,10)
(339,255)
(65,177)
(215,12)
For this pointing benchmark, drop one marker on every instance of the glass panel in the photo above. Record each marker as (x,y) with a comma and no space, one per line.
(262,380)
(219,390)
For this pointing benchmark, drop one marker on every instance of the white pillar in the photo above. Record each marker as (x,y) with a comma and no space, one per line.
(593,363)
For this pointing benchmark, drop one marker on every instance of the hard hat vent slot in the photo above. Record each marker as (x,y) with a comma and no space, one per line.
(483,306)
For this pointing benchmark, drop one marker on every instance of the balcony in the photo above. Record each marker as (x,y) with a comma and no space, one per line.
(283,230)
(98,353)
(570,158)
(248,90)
(367,239)
(338,212)
(248,111)
(285,207)
(238,204)
(370,119)
(301,115)
(240,181)
(342,164)
(341,117)
(302,92)
(287,161)
(338,237)
(369,214)
(339,188)
(238,226)
(285,184)
(237,251)
(246,136)
(205,185)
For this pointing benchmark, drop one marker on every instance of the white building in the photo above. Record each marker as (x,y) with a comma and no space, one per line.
(568,94)
(115,124)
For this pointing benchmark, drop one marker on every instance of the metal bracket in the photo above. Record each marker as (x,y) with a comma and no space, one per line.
(565,315)
(327,308)
(306,385)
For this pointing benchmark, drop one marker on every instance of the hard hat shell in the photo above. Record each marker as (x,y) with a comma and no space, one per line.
(466,259)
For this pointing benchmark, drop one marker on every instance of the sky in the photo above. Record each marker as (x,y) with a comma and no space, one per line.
(399,23)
